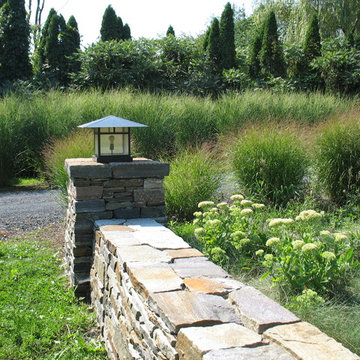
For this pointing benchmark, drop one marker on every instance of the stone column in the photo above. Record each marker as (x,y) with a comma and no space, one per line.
(107,191)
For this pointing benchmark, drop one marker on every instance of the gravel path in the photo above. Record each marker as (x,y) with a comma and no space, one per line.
(27,211)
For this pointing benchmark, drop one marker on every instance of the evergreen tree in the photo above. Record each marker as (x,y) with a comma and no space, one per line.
(227,37)
(254,60)
(110,25)
(214,47)
(126,32)
(312,47)
(39,58)
(271,56)
(119,31)
(206,39)
(14,41)
(170,31)
(71,45)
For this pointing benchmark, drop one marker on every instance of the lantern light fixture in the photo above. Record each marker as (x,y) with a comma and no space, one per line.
(112,138)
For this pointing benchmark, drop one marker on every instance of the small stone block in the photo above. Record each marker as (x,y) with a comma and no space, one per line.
(183,309)
(183,253)
(198,267)
(258,312)
(153,183)
(87,168)
(100,223)
(192,343)
(88,192)
(127,213)
(157,278)
(149,195)
(205,286)
(305,341)
(139,169)
(141,253)
(153,211)
(264,352)
(161,240)
(145,224)
(89,206)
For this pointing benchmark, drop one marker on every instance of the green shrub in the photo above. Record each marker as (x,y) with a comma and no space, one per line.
(270,165)
(77,145)
(194,176)
(338,160)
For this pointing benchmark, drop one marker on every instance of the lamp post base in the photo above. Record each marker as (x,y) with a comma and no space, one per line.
(112,158)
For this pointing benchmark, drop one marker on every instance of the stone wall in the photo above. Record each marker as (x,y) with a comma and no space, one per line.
(107,191)
(157,298)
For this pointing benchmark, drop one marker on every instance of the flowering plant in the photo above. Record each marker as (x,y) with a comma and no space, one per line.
(301,256)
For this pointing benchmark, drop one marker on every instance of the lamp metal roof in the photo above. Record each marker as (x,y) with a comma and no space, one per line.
(111,121)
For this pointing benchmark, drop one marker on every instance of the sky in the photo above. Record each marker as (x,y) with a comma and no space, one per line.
(146,18)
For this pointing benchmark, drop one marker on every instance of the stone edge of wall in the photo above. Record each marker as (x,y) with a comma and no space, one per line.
(155,297)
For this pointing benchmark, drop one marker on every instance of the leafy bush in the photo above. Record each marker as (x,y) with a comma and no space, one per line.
(229,233)
(300,256)
(270,165)
(76,145)
(338,160)
(194,176)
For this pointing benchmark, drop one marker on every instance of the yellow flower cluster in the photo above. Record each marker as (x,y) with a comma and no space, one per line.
(279,221)
(307,215)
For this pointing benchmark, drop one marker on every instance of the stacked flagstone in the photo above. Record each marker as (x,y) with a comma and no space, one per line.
(157,298)
(106,191)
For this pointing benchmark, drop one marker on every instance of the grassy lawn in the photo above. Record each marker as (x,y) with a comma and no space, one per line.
(40,316)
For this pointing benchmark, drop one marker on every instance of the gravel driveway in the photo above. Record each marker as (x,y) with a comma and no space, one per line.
(29,210)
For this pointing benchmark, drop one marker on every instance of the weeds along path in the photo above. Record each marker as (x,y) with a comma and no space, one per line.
(25,211)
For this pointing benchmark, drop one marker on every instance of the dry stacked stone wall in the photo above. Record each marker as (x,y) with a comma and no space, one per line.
(107,191)
(157,298)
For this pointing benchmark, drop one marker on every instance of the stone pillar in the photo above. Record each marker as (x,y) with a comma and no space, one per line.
(107,191)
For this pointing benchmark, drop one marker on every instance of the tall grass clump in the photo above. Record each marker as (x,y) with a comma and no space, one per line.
(338,160)
(79,144)
(270,164)
(194,176)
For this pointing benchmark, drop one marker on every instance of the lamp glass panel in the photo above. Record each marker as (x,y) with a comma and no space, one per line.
(96,143)
(112,144)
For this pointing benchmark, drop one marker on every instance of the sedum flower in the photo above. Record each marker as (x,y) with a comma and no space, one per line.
(309,247)
(269,257)
(272,241)
(246,211)
(297,244)
(197,214)
(214,210)
(196,221)
(199,231)
(246,202)
(259,252)
(244,242)
(340,237)
(325,233)
(205,204)
(328,255)
(222,205)
(237,235)
(237,197)
(214,222)
(307,215)
(279,221)
(258,206)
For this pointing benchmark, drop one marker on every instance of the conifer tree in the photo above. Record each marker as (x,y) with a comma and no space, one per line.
(119,31)
(126,32)
(254,61)
(227,37)
(271,56)
(170,31)
(110,25)
(206,39)
(214,47)
(312,47)
(14,41)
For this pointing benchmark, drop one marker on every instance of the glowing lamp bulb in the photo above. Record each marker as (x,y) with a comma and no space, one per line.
(112,138)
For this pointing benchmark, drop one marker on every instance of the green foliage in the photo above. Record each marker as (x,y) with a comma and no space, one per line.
(227,37)
(270,165)
(230,234)
(338,160)
(170,31)
(214,47)
(14,41)
(40,317)
(126,34)
(271,56)
(76,145)
(110,25)
(312,47)
(254,58)
(301,256)
(194,176)
(339,66)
